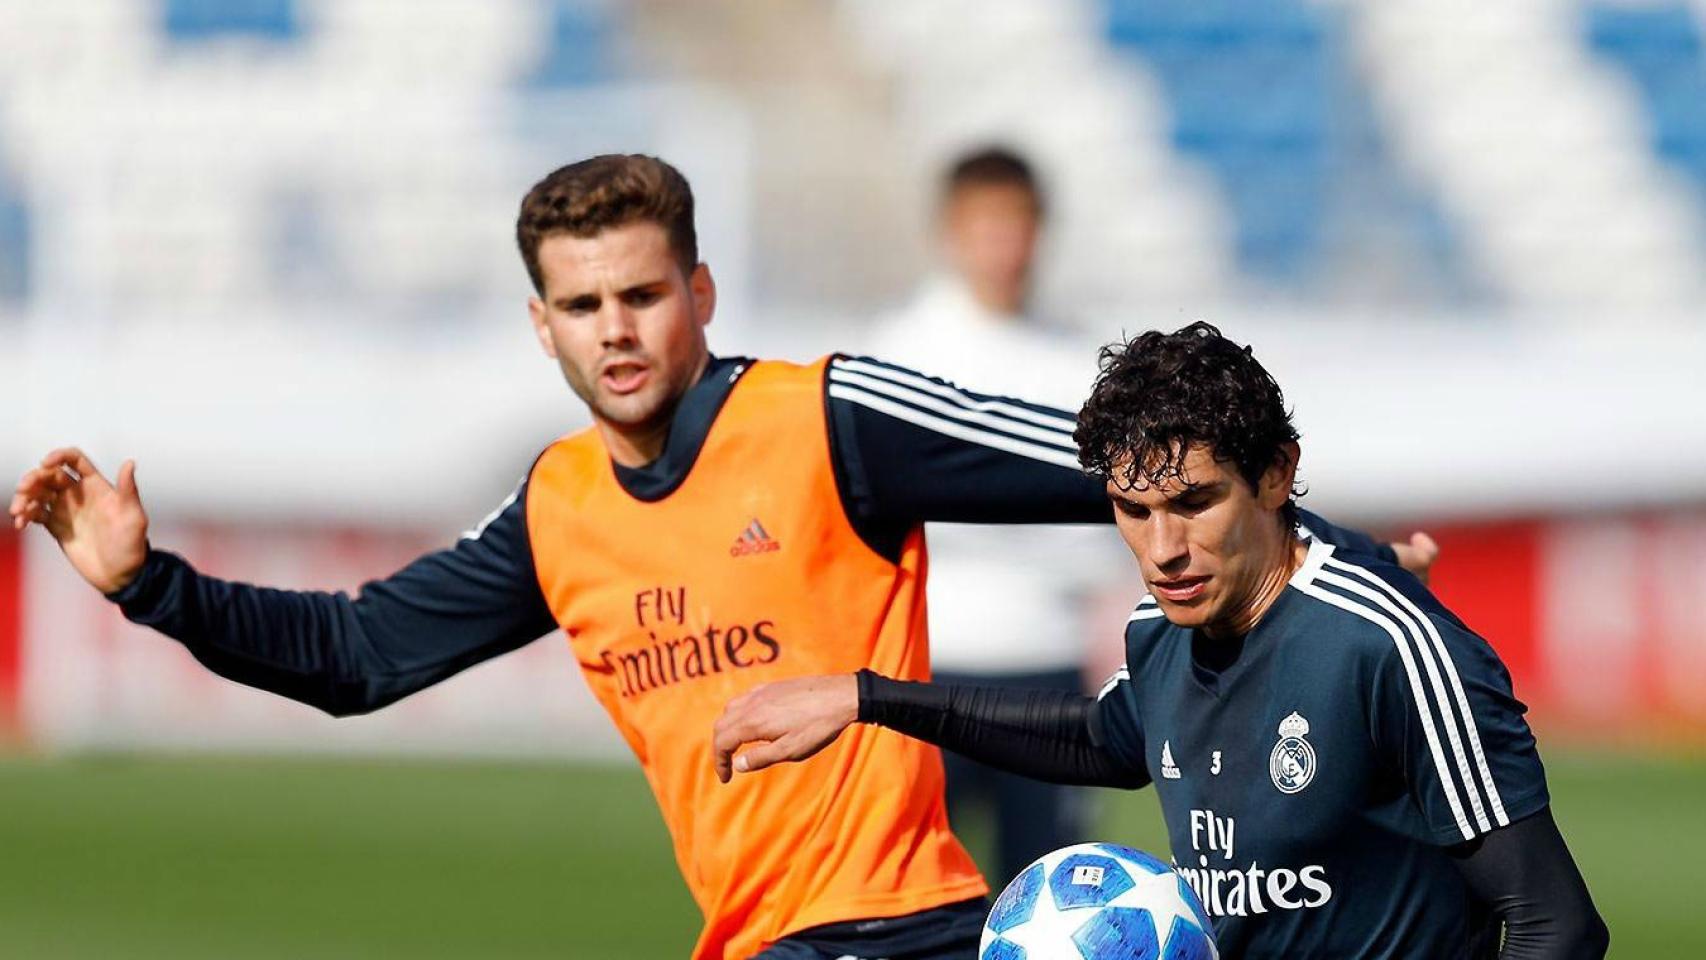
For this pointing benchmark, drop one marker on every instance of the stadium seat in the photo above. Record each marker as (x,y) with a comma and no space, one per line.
(1265,97)
(580,48)
(14,239)
(193,20)
(1660,50)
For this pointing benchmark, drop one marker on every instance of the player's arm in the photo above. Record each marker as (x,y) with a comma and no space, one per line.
(910,448)
(1525,872)
(435,617)
(1044,734)
(1449,724)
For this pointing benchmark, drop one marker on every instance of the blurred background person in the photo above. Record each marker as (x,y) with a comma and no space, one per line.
(1007,606)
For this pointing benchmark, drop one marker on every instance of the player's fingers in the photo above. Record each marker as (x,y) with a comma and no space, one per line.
(42,488)
(1418,555)
(60,457)
(57,480)
(56,523)
(763,754)
(721,760)
(37,481)
(77,461)
(1425,545)
(27,512)
(127,479)
(727,736)
(41,512)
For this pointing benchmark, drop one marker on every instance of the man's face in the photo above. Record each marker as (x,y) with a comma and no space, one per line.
(1206,542)
(623,321)
(991,235)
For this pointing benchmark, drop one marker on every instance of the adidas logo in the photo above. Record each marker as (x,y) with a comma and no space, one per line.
(1169,769)
(754,539)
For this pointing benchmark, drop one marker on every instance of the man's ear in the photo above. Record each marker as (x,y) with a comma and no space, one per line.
(536,313)
(1279,478)
(704,289)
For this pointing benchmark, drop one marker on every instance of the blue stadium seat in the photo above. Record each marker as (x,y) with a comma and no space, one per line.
(14,243)
(581,49)
(195,20)
(1660,48)
(1263,94)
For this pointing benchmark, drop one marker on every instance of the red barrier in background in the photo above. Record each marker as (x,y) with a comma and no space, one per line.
(11,629)
(1489,575)
(1601,619)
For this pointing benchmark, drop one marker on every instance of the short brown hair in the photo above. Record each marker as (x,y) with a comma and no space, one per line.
(993,166)
(596,194)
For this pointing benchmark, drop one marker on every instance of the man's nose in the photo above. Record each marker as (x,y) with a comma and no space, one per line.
(616,326)
(1167,544)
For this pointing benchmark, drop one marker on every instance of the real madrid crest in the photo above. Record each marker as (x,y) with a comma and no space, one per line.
(1292,764)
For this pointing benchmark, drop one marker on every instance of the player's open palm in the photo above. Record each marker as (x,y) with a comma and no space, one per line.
(785,720)
(101,526)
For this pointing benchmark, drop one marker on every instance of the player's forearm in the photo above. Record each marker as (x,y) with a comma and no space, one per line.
(295,644)
(439,615)
(337,654)
(1525,873)
(1044,734)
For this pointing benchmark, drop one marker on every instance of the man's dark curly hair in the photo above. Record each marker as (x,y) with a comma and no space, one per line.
(1158,393)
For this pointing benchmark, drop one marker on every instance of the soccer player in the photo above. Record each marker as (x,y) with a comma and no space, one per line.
(1341,763)
(724,521)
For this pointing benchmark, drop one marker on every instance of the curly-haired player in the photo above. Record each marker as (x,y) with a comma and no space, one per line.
(1341,763)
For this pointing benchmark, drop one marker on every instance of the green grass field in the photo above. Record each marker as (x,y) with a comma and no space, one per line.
(219,857)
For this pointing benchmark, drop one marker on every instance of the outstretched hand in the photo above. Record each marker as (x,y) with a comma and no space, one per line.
(785,720)
(101,527)
(1418,555)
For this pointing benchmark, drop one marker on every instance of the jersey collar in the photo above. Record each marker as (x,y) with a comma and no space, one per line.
(688,428)
(1319,551)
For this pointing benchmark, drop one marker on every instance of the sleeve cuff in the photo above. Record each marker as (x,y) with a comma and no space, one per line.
(142,592)
(867,694)
(1518,807)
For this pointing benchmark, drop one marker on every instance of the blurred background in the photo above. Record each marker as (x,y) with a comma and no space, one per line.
(265,247)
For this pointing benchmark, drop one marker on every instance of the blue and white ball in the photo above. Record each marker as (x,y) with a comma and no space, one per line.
(1097,901)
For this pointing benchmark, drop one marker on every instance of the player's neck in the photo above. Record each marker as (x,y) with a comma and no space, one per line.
(636,445)
(999,300)
(1270,583)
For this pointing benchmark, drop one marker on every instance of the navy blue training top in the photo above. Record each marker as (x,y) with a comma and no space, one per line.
(1312,780)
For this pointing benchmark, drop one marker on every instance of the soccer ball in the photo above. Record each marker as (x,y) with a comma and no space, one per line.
(1097,901)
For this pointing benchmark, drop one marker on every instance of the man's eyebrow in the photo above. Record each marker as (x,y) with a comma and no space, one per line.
(1190,488)
(1119,497)
(581,299)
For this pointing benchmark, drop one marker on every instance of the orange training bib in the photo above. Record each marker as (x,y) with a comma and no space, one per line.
(748,572)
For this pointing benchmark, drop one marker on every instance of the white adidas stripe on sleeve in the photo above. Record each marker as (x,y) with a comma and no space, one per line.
(1417,694)
(907,395)
(1123,673)
(960,397)
(474,532)
(953,428)
(1419,646)
(1456,680)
